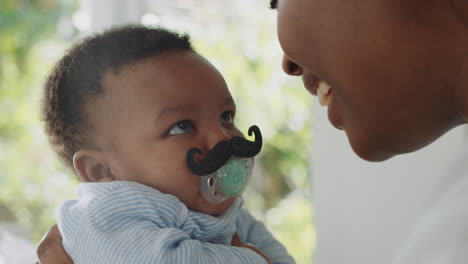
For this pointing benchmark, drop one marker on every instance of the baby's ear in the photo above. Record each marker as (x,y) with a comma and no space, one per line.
(91,166)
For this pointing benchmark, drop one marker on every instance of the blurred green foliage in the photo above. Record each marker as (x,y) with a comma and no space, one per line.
(293,216)
(21,25)
(33,181)
(29,171)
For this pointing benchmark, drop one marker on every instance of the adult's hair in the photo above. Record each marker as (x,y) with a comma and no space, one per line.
(77,78)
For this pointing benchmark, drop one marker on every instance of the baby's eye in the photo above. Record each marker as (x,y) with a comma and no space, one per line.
(181,127)
(227,117)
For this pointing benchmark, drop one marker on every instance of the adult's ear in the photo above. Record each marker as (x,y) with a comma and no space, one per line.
(92,166)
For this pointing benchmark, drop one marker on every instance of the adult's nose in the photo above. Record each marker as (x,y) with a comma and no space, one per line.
(290,67)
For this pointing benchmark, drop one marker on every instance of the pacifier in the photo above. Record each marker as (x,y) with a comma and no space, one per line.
(226,169)
(228,181)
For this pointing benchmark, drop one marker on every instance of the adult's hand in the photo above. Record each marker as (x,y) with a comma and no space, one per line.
(236,242)
(50,249)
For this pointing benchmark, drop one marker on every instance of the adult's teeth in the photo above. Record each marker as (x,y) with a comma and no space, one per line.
(324,93)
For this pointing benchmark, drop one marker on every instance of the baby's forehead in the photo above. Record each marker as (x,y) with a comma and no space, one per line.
(171,70)
(170,78)
(168,64)
(156,92)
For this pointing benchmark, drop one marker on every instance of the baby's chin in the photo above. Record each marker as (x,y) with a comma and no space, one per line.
(206,207)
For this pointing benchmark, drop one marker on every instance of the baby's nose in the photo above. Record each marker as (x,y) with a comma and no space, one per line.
(215,136)
(290,67)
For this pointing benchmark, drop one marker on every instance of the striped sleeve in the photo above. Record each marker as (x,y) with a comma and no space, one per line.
(123,227)
(169,245)
(256,233)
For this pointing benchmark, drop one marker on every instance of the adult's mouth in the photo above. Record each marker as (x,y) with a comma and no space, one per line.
(324,93)
(318,87)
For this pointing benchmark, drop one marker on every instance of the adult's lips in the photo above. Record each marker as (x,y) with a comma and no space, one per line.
(311,82)
(318,87)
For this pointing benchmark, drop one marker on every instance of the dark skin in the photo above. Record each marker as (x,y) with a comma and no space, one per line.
(50,250)
(398,71)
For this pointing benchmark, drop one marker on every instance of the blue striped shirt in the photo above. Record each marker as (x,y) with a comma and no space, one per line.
(127,222)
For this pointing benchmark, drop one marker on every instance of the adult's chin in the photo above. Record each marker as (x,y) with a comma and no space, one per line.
(372,156)
(378,149)
(373,151)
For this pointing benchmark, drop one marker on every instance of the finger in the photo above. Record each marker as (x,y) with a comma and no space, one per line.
(50,249)
(235,241)
(258,251)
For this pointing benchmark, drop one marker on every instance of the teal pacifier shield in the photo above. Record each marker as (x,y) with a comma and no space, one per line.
(236,176)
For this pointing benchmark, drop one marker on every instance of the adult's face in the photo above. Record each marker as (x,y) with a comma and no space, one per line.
(390,64)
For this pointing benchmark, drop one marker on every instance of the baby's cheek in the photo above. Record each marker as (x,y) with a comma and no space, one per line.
(189,193)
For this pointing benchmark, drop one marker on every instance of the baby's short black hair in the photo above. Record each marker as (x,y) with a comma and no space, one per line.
(77,76)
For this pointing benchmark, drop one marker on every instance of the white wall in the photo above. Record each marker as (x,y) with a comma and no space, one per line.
(99,15)
(363,210)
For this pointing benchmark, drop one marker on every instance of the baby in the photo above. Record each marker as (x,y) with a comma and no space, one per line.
(148,126)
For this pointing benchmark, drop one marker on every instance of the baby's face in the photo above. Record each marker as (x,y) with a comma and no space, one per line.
(153,111)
